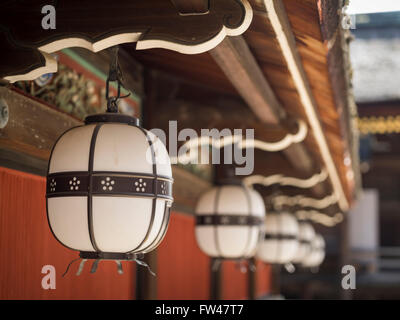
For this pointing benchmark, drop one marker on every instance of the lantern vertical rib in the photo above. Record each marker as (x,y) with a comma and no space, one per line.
(249,233)
(90,187)
(216,238)
(153,209)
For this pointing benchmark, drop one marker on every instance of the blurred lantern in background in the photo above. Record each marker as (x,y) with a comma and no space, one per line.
(317,254)
(109,188)
(228,222)
(280,243)
(306,236)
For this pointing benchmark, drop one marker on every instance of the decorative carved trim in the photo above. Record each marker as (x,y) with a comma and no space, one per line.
(152,24)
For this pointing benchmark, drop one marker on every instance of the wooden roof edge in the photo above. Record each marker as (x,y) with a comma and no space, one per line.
(283,31)
(337,39)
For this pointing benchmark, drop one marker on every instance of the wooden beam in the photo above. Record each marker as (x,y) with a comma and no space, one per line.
(281,25)
(238,63)
(32,127)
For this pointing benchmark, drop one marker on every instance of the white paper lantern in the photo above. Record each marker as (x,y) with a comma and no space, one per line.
(306,235)
(317,254)
(228,222)
(109,188)
(280,243)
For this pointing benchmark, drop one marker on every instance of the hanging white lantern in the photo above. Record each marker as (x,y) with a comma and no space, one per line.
(228,222)
(306,235)
(109,188)
(317,254)
(280,243)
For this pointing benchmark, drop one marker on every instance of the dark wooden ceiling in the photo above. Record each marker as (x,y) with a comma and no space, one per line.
(200,73)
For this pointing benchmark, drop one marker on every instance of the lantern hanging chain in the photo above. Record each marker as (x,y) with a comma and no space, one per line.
(114,75)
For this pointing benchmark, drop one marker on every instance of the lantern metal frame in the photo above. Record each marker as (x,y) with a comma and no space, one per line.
(91,183)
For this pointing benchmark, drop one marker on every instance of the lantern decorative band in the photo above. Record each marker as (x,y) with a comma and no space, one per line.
(274,236)
(228,220)
(107,256)
(69,184)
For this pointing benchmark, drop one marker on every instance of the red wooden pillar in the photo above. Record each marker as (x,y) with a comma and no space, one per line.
(263,279)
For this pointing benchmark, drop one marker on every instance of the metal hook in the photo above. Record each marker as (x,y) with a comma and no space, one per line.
(115,74)
(94,266)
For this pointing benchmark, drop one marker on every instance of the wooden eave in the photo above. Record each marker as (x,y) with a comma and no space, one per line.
(329,89)
(248,81)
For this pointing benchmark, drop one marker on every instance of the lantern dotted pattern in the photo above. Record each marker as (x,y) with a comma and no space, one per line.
(306,236)
(228,222)
(317,254)
(109,188)
(280,243)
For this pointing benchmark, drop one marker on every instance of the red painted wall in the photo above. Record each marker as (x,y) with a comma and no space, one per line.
(234,282)
(26,245)
(183,270)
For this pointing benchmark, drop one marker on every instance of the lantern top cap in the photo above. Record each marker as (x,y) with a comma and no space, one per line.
(112,118)
(229,182)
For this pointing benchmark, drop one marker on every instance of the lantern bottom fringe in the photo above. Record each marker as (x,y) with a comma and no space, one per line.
(99,256)
(240,264)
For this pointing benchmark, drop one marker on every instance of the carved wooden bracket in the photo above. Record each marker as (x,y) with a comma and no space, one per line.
(98,24)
